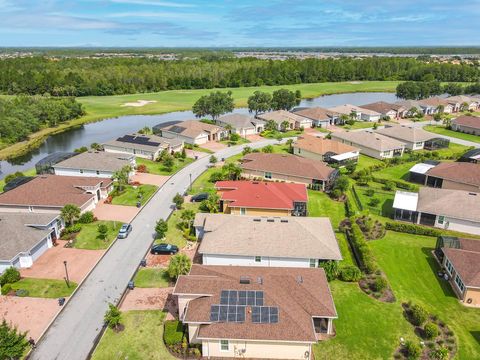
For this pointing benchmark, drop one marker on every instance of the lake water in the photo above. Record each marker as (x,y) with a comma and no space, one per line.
(108,129)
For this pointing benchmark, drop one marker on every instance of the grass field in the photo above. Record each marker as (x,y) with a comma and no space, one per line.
(442,131)
(30,172)
(151,278)
(358,125)
(365,161)
(384,207)
(142,338)
(130,196)
(45,288)
(88,237)
(102,107)
(157,168)
(174,235)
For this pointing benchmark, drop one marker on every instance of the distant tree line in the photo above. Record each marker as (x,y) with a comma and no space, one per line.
(416,90)
(23,115)
(82,77)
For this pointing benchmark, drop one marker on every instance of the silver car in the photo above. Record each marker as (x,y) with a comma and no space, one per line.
(124,231)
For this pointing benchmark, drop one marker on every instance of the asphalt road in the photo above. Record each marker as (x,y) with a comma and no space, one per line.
(72,334)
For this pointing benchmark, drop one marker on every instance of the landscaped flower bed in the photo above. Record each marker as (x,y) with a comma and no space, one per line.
(177,342)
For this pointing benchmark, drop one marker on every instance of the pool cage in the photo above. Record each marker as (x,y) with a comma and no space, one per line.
(445,242)
(45,166)
(436,143)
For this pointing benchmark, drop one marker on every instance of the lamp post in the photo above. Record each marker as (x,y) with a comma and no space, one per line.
(67,279)
(190,182)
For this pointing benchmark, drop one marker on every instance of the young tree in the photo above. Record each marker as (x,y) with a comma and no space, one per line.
(342,184)
(102,230)
(271,125)
(161,228)
(285,99)
(232,170)
(70,213)
(180,264)
(214,105)
(12,342)
(178,200)
(285,125)
(211,204)
(113,316)
(289,143)
(246,150)
(121,176)
(188,216)
(268,149)
(168,161)
(259,102)
(213,160)
(96,146)
(183,154)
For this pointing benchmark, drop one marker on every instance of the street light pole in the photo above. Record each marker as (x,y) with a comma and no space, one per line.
(67,279)
(190,182)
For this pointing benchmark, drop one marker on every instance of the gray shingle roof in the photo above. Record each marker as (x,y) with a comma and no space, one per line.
(95,160)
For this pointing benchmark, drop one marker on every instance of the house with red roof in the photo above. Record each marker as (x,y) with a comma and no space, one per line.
(262,198)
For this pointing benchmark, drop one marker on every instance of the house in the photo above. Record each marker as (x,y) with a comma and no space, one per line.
(467,124)
(371,144)
(144,146)
(460,259)
(262,198)
(432,105)
(472,156)
(94,164)
(280,117)
(319,116)
(417,172)
(50,193)
(456,210)
(321,149)
(255,312)
(414,138)
(357,112)
(26,237)
(408,108)
(242,125)
(288,168)
(463,102)
(387,110)
(193,132)
(454,175)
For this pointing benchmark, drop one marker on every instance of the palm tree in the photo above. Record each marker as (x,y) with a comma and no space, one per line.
(289,143)
(464,106)
(233,171)
(122,176)
(180,264)
(285,125)
(70,213)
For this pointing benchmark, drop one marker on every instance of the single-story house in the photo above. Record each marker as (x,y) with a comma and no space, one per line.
(329,151)
(414,138)
(371,144)
(454,175)
(431,105)
(242,125)
(265,241)
(193,132)
(26,237)
(255,312)
(357,112)
(392,111)
(467,124)
(319,116)
(456,210)
(280,116)
(407,108)
(460,259)
(472,156)
(463,102)
(417,172)
(50,193)
(288,168)
(94,164)
(262,198)
(144,146)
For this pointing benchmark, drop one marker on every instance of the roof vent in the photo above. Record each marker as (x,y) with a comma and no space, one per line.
(244,280)
(299,279)
(257,219)
(474,194)
(284,220)
(260,280)
(255,182)
(270,220)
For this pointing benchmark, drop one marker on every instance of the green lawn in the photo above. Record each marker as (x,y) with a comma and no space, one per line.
(384,208)
(238,142)
(130,196)
(88,238)
(442,131)
(174,235)
(29,172)
(280,134)
(365,161)
(157,168)
(142,338)
(358,125)
(398,172)
(152,278)
(45,288)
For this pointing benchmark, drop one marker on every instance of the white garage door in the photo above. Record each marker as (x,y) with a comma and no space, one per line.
(39,249)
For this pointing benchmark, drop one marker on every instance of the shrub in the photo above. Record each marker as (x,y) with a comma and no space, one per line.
(173,332)
(398,183)
(412,350)
(370,192)
(430,330)
(234,137)
(389,186)
(411,229)
(217,176)
(374,202)
(350,273)
(10,275)
(380,284)
(161,228)
(6,289)
(362,249)
(331,269)
(75,228)
(21,293)
(178,200)
(180,264)
(86,218)
(142,168)
(418,315)
(113,316)
(439,354)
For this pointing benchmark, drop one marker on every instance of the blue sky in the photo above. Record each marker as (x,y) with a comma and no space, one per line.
(186,23)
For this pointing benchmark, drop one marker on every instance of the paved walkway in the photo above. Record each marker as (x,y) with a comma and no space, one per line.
(122,213)
(73,333)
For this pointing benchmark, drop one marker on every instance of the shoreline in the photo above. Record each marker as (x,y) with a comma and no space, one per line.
(98,108)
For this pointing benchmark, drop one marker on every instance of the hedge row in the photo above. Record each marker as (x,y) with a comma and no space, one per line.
(411,229)
(173,332)
(361,248)
(398,183)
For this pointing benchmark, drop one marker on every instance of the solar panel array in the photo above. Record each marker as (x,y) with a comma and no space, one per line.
(138,140)
(227,313)
(241,297)
(264,314)
(177,129)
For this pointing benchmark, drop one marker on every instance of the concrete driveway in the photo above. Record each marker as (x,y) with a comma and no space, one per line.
(198,154)
(214,146)
(151,179)
(28,314)
(122,213)
(50,264)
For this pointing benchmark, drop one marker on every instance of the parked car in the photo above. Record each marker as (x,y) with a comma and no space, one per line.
(124,231)
(199,197)
(164,249)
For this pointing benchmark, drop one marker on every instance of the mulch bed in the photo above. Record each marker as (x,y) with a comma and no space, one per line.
(367,286)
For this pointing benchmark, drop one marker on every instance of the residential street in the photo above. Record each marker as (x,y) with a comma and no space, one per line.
(73,333)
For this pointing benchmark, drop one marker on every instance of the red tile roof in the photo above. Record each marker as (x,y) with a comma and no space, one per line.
(263,195)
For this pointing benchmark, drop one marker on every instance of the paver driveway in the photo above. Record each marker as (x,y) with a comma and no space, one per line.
(214,146)
(151,299)
(151,179)
(50,264)
(122,213)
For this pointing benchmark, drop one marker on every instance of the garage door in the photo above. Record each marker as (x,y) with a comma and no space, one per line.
(39,249)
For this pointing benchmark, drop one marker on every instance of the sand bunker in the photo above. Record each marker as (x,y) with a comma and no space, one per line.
(139,103)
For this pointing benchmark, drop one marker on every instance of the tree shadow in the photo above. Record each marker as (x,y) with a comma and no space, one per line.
(435,267)
(476,336)
(387,208)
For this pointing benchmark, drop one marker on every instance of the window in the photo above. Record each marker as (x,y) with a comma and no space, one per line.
(224,345)
(459,283)
(312,263)
(419,143)
(441,219)
(268,175)
(98,172)
(81,171)
(258,259)
(449,266)
(243,211)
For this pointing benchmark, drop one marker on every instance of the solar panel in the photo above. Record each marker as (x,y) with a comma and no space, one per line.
(227,313)
(141,140)
(264,314)
(177,129)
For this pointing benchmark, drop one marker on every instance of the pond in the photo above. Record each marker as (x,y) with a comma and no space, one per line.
(105,130)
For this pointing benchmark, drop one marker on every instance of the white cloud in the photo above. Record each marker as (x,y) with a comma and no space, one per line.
(153,3)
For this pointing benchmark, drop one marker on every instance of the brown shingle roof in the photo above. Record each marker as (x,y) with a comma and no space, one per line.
(466,264)
(433,101)
(369,140)
(316,113)
(468,121)
(287,165)
(381,107)
(53,191)
(299,295)
(322,146)
(280,116)
(460,172)
(406,133)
